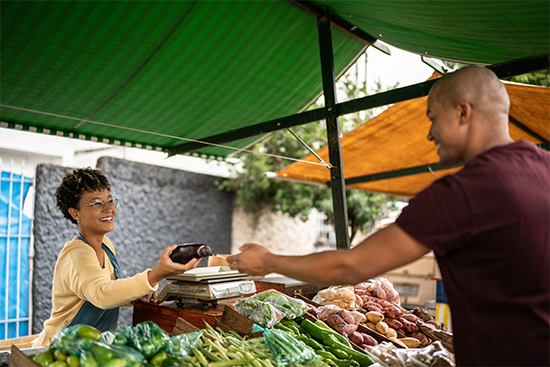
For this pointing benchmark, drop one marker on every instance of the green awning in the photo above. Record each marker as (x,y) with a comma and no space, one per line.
(154,74)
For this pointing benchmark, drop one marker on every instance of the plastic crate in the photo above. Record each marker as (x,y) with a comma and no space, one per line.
(440,296)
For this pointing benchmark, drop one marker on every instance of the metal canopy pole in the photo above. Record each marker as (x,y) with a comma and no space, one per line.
(333,134)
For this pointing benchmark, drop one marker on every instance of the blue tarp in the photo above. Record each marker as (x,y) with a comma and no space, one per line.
(16,247)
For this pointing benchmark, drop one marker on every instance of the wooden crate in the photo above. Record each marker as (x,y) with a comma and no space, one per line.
(166,315)
(19,359)
(234,320)
(21,342)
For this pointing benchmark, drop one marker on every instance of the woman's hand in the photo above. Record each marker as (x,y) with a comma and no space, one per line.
(148,298)
(166,267)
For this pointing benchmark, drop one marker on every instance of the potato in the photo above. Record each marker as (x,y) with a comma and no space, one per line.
(381,327)
(374,316)
(410,317)
(381,302)
(422,338)
(393,312)
(380,293)
(410,342)
(369,340)
(346,316)
(393,323)
(371,307)
(358,301)
(334,320)
(398,341)
(371,325)
(408,326)
(391,333)
(356,338)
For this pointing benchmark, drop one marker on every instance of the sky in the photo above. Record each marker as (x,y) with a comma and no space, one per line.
(402,66)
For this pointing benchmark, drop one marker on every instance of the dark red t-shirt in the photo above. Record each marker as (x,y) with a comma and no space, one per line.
(489,227)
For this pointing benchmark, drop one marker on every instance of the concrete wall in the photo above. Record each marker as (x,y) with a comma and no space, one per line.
(158,207)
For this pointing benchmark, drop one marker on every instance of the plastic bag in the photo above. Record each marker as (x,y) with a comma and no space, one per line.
(434,354)
(341,296)
(288,306)
(380,288)
(147,337)
(71,339)
(262,313)
(181,345)
(285,348)
(388,355)
(104,353)
(83,341)
(269,307)
(338,319)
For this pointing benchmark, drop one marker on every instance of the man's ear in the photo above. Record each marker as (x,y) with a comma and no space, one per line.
(465,111)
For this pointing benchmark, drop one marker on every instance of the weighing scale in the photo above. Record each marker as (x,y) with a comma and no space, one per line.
(207,286)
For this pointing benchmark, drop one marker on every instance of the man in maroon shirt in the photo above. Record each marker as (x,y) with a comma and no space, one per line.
(488,225)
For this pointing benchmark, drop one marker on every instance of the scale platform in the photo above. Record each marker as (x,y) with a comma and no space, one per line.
(206,286)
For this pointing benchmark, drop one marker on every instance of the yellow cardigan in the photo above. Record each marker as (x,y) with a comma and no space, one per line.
(78,278)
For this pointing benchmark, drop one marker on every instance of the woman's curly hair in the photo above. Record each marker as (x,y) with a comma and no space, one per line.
(73,186)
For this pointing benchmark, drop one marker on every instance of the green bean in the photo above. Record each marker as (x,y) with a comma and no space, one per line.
(197,353)
(234,362)
(209,355)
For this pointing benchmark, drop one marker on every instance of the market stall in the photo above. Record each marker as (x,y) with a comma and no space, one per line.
(354,325)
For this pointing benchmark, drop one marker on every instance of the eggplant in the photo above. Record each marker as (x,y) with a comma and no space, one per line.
(187,251)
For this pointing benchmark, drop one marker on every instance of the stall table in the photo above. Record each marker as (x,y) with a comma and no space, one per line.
(166,314)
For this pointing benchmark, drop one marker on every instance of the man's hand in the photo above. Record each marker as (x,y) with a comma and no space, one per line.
(387,249)
(166,267)
(253,260)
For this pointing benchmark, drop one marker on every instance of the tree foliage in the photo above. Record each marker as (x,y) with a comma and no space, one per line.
(537,78)
(254,191)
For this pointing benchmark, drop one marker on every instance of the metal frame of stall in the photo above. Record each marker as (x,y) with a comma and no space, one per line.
(332,110)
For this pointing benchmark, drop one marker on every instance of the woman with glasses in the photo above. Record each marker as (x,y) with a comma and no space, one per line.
(87,285)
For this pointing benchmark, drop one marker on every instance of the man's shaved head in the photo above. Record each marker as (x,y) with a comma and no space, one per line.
(469,114)
(478,86)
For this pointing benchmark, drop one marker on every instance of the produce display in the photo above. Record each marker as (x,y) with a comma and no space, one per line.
(380,303)
(295,333)
(149,346)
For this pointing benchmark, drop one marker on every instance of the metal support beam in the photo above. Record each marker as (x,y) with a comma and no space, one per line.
(503,70)
(333,133)
(411,171)
(250,131)
(425,168)
(342,25)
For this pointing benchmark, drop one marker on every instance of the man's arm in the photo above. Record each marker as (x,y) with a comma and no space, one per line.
(385,250)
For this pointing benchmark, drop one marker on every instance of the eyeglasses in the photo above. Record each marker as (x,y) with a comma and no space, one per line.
(99,204)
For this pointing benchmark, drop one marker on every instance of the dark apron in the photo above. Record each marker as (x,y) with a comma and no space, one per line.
(89,314)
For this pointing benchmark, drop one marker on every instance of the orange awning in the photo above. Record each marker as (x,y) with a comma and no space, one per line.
(396,140)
